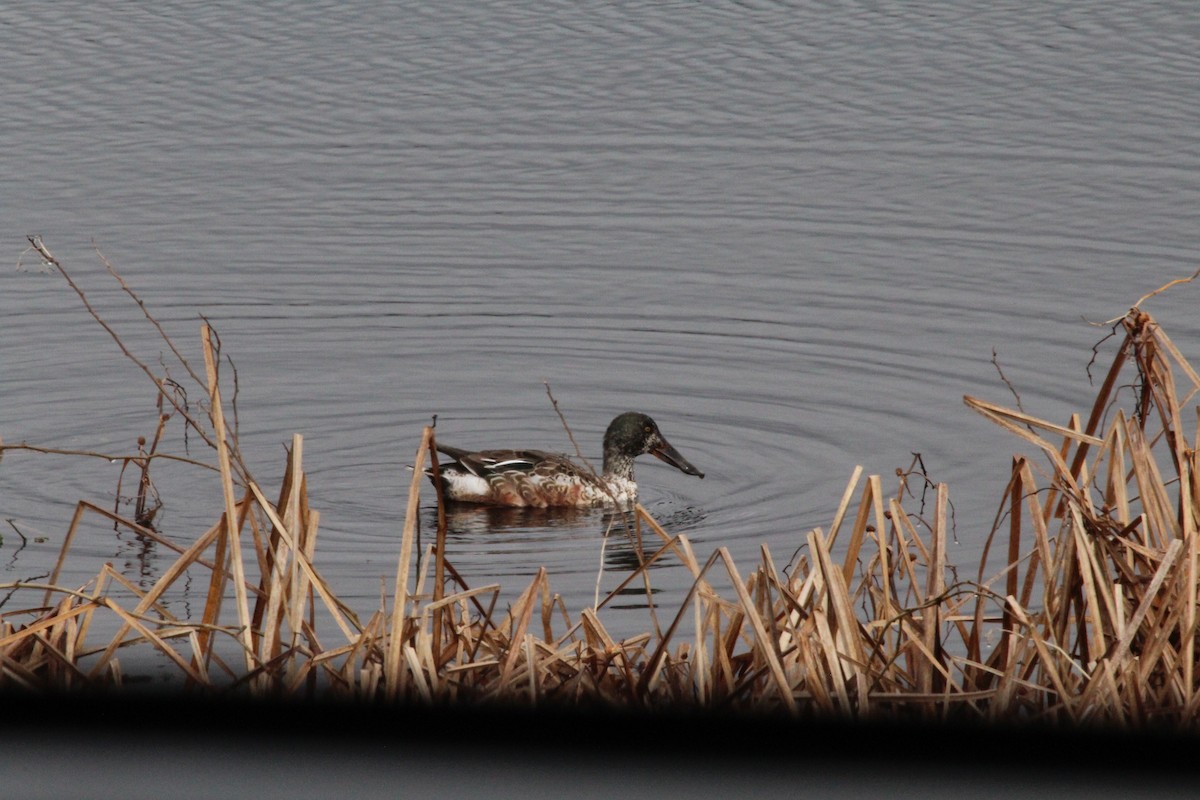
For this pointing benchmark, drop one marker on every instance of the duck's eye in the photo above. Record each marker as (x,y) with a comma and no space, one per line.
(648,429)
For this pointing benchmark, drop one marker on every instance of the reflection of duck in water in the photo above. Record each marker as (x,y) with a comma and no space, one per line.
(536,478)
(470,518)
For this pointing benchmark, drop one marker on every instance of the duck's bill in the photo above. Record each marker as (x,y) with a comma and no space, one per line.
(665,452)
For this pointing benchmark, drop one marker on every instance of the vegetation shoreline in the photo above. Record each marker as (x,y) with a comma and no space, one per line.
(1089,620)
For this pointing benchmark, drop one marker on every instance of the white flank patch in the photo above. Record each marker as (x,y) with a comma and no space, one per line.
(464,486)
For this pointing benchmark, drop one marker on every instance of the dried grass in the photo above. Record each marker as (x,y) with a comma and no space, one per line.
(1090,619)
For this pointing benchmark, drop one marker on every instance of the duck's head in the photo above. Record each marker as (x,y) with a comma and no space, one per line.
(630,435)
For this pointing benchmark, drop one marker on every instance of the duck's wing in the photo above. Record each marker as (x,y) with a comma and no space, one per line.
(517,478)
(485,463)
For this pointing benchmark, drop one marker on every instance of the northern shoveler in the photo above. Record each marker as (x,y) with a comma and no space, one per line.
(536,478)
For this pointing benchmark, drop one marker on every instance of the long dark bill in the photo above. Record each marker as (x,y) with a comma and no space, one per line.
(665,452)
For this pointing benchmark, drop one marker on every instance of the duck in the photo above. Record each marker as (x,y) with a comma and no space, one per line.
(539,479)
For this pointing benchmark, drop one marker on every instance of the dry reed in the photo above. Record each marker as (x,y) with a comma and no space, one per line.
(1092,617)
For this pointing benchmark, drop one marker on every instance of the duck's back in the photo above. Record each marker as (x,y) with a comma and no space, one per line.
(517,478)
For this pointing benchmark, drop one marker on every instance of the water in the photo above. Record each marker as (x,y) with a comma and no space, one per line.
(793,235)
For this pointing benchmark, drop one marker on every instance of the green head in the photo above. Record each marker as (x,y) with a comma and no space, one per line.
(630,435)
